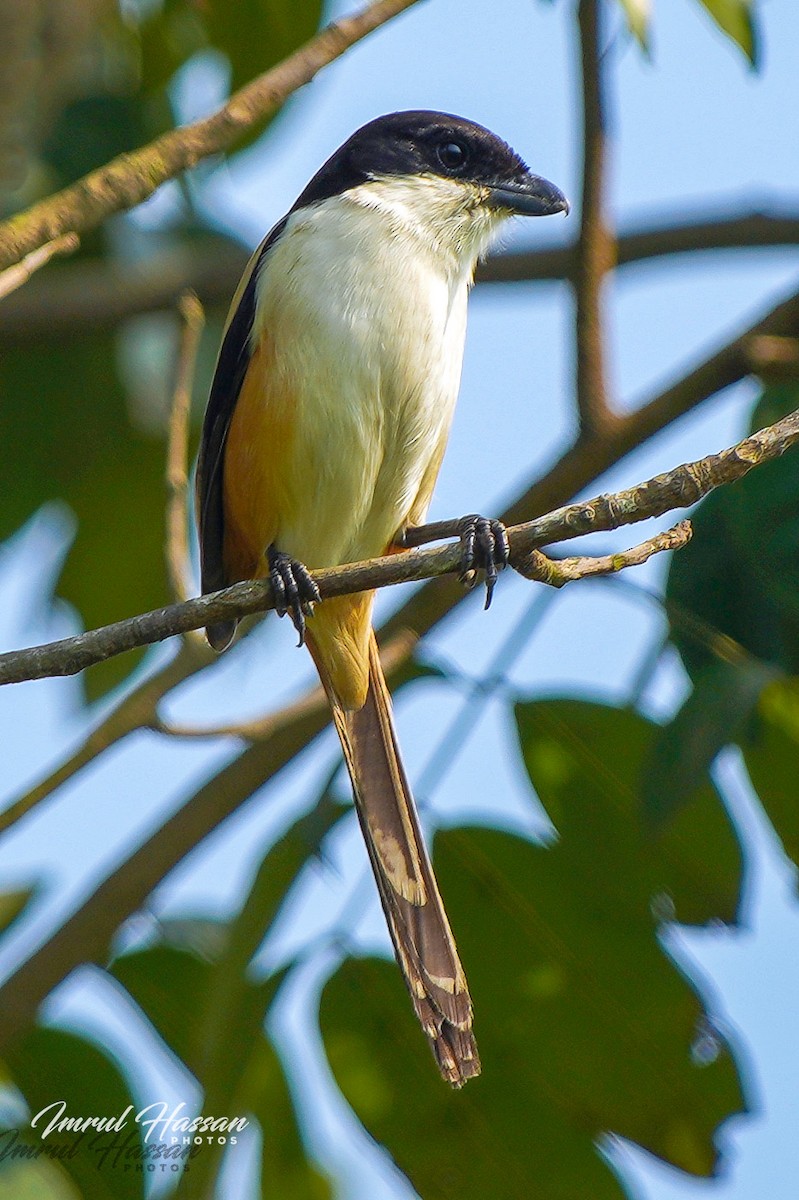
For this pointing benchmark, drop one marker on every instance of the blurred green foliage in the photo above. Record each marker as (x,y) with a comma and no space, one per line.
(735,19)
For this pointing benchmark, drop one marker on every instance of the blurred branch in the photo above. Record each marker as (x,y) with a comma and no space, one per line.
(636,245)
(675,489)
(775,359)
(176,549)
(392,656)
(597,247)
(558,572)
(14,277)
(130,178)
(100,295)
(136,710)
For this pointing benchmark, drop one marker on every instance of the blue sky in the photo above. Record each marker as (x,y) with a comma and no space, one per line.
(695,130)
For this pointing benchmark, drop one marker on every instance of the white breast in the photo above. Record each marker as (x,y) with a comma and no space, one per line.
(365,305)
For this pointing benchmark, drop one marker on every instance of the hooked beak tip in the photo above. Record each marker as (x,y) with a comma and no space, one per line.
(534,197)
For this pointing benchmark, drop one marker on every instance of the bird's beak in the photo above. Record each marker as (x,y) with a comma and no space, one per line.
(531,196)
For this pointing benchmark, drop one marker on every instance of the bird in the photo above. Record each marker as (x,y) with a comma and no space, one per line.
(326,424)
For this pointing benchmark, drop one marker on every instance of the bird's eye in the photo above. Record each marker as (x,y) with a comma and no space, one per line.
(452,155)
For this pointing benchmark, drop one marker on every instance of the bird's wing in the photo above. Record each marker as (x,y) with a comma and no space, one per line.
(231,368)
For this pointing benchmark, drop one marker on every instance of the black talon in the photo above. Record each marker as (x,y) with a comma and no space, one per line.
(484,546)
(293,588)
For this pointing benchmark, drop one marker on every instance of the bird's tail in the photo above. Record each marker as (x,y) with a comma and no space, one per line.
(423,941)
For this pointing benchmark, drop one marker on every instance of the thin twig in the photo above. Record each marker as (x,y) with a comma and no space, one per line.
(557,572)
(392,655)
(176,548)
(13,277)
(134,711)
(597,246)
(682,486)
(130,178)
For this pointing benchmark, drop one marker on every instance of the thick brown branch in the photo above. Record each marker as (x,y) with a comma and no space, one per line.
(131,178)
(597,249)
(674,489)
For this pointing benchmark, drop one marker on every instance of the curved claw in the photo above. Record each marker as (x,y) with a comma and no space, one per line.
(484,546)
(293,587)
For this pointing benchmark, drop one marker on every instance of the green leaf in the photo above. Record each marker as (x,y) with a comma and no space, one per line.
(771,754)
(92,130)
(169,35)
(256,34)
(173,988)
(638,14)
(41,1180)
(724,695)
(739,574)
(167,984)
(735,18)
(585,762)
(265,1092)
(49,1065)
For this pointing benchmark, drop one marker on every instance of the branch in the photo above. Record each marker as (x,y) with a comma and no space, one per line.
(596,254)
(136,710)
(130,178)
(637,245)
(392,656)
(675,489)
(14,277)
(86,935)
(100,294)
(775,359)
(176,549)
(557,572)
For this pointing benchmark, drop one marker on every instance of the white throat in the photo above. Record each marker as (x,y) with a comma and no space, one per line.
(444,217)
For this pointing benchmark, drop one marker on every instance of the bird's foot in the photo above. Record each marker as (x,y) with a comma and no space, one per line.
(293,588)
(484,546)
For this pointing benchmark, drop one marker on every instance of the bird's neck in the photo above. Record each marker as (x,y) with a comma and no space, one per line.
(444,220)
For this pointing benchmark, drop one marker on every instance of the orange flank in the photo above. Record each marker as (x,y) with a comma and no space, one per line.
(257,455)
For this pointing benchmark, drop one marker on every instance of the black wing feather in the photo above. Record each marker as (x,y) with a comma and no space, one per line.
(231,368)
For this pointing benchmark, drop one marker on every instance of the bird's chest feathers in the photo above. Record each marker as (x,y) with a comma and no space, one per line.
(365,319)
(352,295)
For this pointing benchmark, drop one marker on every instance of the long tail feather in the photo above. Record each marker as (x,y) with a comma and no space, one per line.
(417,921)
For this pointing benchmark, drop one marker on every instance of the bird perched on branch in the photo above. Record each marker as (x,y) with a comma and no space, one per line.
(326,425)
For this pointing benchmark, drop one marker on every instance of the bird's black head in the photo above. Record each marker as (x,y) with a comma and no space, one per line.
(439,144)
